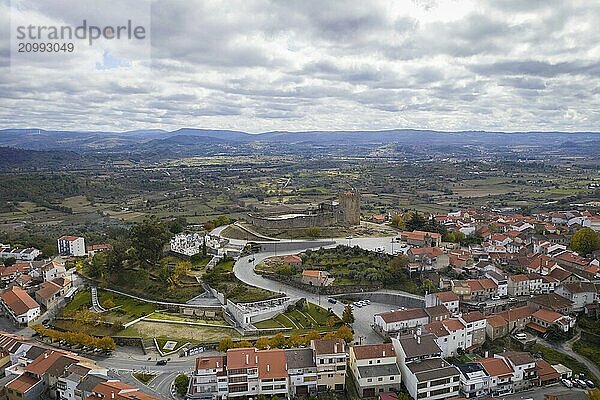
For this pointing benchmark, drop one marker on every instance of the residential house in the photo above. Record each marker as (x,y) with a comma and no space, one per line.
(315,278)
(28,254)
(507,322)
(450,335)
(24,387)
(548,284)
(117,390)
(71,246)
(523,366)
(19,306)
(474,381)
(330,357)
(272,373)
(564,276)
(73,375)
(399,321)
(242,372)
(97,248)
(424,373)
(518,285)
(437,313)
(302,371)
(292,260)
(501,282)
(542,319)
(580,293)
(551,301)
(500,375)
(546,374)
(204,381)
(429,257)
(476,325)
(374,369)
(48,294)
(422,239)
(448,299)
(535,283)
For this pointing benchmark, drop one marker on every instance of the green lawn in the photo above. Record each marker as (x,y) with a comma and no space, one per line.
(175,317)
(83,299)
(179,332)
(129,308)
(311,317)
(143,377)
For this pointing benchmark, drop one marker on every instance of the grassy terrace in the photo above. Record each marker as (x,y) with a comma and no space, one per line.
(173,317)
(179,332)
(311,317)
(221,278)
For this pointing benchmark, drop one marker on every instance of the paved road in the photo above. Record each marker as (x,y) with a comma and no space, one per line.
(567,348)
(244,271)
(539,392)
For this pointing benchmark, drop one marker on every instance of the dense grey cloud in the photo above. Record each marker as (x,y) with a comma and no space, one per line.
(307,64)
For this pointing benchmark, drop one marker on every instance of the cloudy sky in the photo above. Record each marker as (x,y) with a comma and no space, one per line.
(256,66)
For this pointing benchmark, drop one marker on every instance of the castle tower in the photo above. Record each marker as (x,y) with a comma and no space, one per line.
(350,204)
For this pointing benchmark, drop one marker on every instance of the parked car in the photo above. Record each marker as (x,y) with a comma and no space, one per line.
(495,298)
(357,304)
(251,260)
(332,300)
(567,383)
(581,383)
(367,301)
(590,383)
(161,362)
(520,336)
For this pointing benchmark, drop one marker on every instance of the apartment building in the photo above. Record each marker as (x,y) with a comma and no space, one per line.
(424,373)
(302,372)
(71,246)
(374,369)
(474,381)
(400,321)
(209,379)
(523,366)
(330,358)
(448,299)
(500,376)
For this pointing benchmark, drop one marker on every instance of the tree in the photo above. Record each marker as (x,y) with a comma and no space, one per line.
(9,261)
(148,238)
(296,340)
(313,232)
(274,397)
(278,341)
(585,241)
(311,335)
(262,343)
(416,222)
(345,333)
(177,225)
(96,267)
(348,315)
(181,384)
(225,344)
(594,394)
(243,344)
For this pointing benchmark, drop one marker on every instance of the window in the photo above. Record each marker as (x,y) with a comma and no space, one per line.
(369,380)
(392,378)
(379,379)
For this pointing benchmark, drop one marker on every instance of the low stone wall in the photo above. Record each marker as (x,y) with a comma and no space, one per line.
(389,298)
(326,290)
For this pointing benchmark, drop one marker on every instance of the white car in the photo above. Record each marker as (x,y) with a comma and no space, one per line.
(567,383)
(367,301)
(495,298)
(520,336)
(357,304)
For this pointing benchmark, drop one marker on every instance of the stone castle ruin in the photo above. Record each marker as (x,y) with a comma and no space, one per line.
(343,212)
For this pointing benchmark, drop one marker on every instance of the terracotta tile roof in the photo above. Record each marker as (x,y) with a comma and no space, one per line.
(272,364)
(313,273)
(48,289)
(495,367)
(437,311)
(429,251)
(420,235)
(119,391)
(437,328)
(446,297)
(242,358)
(453,324)
(69,238)
(45,361)
(210,362)
(552,301)
(560,274)
(18,300)
(519,278)
(496,321)
(330,346)
(367,351)
(403,315)
(22,383)
(546,315)
(545,371)
(517,357)
(473,316)
(515,314)
(487,283)
(580,287)
(292,259)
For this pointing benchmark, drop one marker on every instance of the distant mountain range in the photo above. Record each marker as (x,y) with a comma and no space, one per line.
(90,141)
